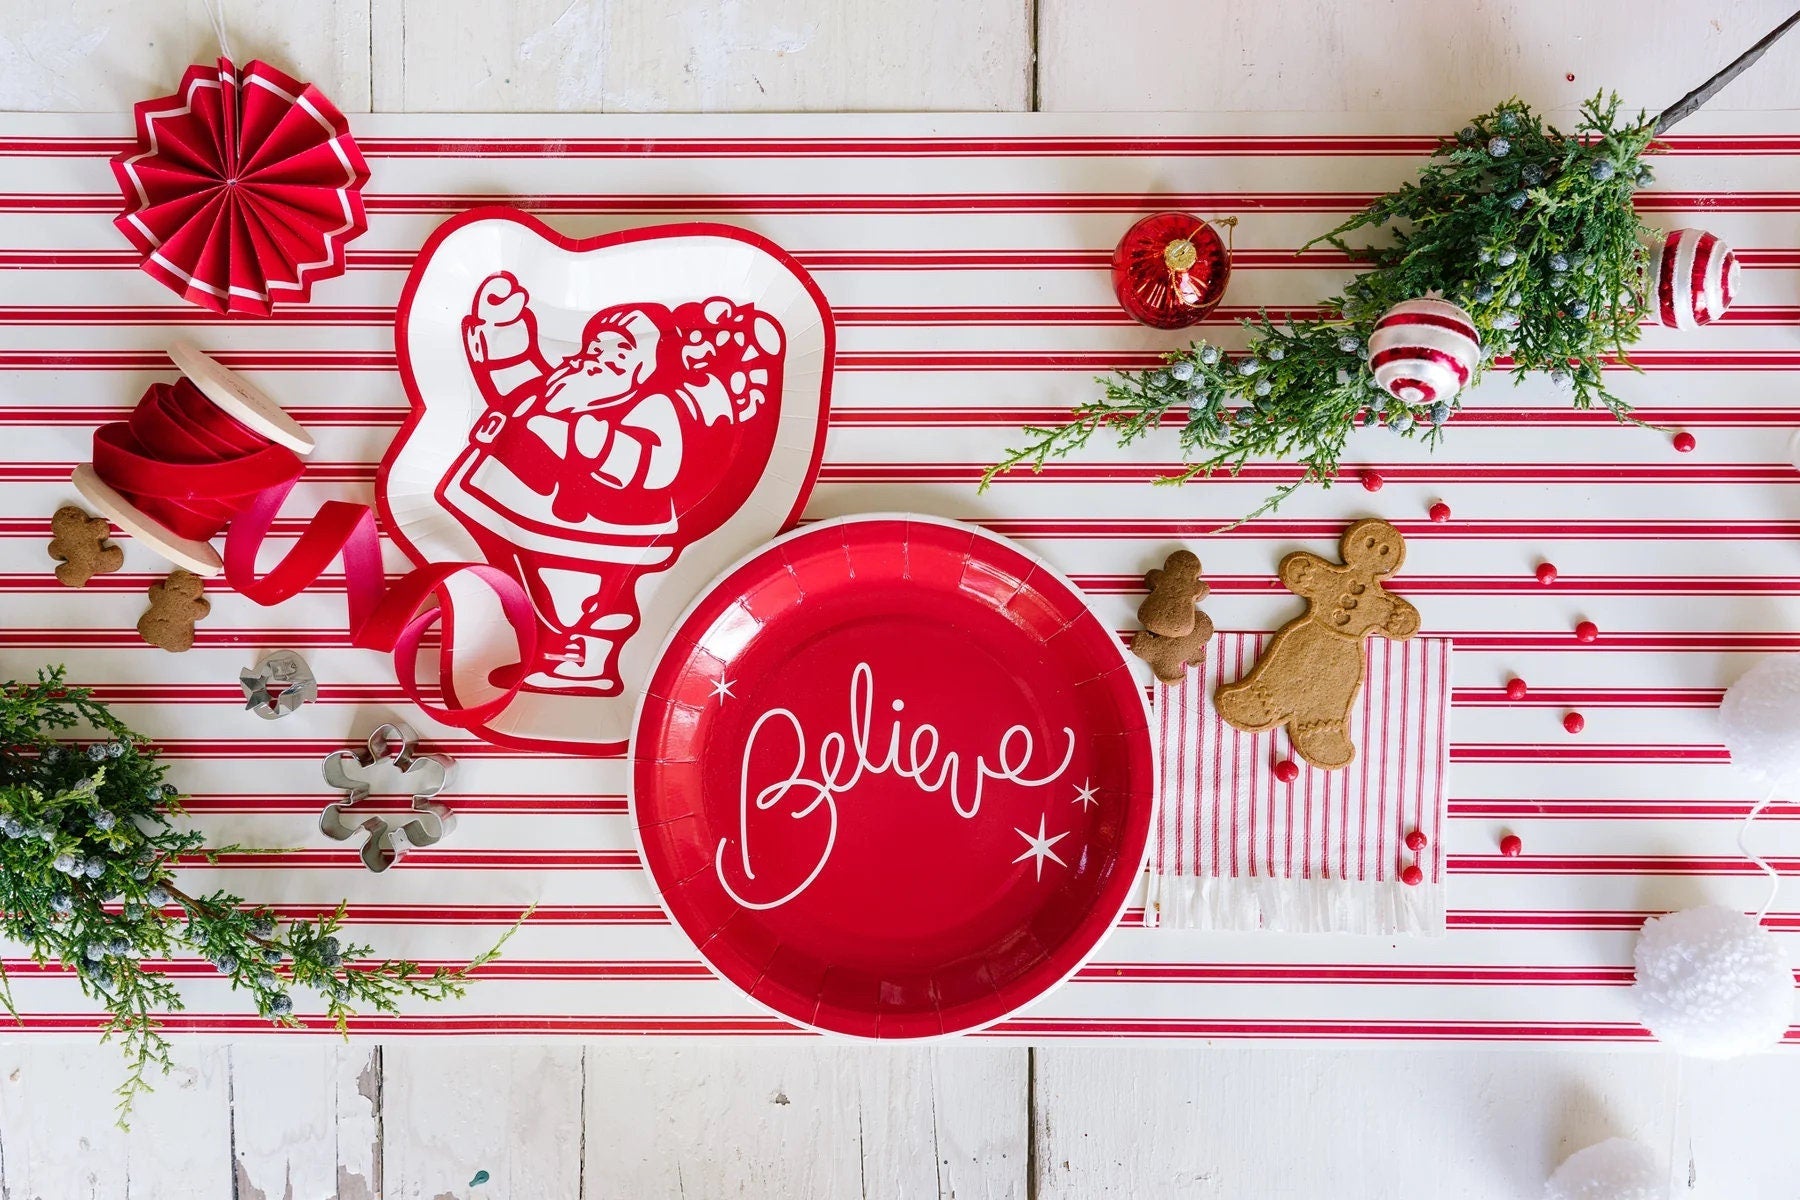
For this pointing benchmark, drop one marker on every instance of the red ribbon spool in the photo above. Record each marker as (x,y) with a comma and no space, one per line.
(193,460)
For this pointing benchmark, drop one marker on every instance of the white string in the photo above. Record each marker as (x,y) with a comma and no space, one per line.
(1759,860)
(217,14)
(1681,1172)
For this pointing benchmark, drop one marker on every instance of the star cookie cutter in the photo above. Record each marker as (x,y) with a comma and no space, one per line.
(283,667)
(391,748)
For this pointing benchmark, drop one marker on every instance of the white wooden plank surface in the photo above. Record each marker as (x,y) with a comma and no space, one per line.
(737,55)
(305,1120)
(316,1119)
(779,1106)
(513,1111)
(806,1121)
(86,55)
(1225,55)
(57,1136)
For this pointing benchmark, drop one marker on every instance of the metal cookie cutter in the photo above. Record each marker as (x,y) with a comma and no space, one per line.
(422,776)
(284,667)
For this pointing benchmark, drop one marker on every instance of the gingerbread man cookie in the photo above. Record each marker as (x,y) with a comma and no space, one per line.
(1170,657)
(1175,631)
(1309,676)
(175,604)
(79,543)
(1175,587)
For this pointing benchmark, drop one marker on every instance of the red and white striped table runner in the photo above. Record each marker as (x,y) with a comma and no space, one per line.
(966,259)
(1235,848)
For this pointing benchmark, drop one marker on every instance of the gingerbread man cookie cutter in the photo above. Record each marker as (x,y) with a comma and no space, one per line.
(283,667)
(392,749)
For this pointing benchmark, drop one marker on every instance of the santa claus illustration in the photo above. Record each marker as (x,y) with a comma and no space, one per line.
(583,475)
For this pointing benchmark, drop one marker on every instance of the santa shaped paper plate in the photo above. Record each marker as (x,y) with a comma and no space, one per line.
(893,777)
(612,420)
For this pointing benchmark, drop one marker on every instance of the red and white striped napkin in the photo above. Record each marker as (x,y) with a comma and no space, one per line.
(1235,848)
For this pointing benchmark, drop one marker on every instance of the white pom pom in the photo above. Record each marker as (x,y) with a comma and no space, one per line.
(1712,983)
(1760,720)
(1616,1169)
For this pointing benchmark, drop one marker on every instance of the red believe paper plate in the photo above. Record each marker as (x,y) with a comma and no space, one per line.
(893,777)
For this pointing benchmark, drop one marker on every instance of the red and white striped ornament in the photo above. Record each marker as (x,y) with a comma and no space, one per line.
(1424,351)
(1693,276)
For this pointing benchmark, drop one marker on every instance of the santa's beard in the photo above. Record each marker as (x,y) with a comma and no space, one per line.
(583,385)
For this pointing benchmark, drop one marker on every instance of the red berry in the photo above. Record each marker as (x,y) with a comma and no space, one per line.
(1587,631)
(1511,846)
(1440,512)
(1546,572)
(1574,722)
(1515,688)
(1412,876)
(1684,442)
(1287,771)
(1415,840)
(1372,481)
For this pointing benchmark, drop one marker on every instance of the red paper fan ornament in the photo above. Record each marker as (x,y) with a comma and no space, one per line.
(243,188)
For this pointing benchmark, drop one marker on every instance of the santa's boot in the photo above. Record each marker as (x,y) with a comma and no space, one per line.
(590,666)
(589,662)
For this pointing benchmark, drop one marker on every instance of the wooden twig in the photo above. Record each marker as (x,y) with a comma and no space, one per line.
(1690,103)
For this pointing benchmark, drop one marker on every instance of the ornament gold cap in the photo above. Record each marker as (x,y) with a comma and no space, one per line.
(1180,255)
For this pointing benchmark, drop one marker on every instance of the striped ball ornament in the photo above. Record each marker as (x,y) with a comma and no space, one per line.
(1693,276)
(1424,351)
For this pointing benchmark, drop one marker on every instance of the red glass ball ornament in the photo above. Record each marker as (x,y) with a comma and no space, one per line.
(1169,270)
(1287,771)
(1512,846)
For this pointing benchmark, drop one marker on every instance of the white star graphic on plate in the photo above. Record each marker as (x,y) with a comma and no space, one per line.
(1040,848)
(1084,795)
(722,689)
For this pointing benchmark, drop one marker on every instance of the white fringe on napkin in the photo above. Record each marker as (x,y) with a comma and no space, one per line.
(1235,848)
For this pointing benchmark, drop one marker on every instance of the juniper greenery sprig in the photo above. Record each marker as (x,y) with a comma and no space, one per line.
(1529,229)
(87,860)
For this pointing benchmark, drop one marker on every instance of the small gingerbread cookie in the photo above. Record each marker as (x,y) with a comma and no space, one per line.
(175,604)
(79,543)
(1175,588)
(1309,676)
(1170,657)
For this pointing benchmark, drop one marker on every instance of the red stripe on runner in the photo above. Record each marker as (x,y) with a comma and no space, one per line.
(944,145)
(847,360)
(1353,973)
(1443,1030)
(1283,529)
(901,202)
(1616,864)
(436,858)
(1275,472)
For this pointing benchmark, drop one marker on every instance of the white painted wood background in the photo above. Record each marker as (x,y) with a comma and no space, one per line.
(303,1121)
